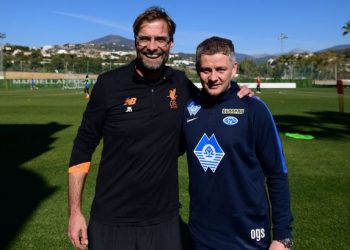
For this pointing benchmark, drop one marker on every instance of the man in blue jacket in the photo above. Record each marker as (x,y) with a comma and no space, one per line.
(233,152)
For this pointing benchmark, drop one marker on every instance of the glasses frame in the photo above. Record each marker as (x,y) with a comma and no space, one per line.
(144,41)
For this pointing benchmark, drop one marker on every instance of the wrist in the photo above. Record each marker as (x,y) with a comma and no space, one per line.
(74,211)
(287,242)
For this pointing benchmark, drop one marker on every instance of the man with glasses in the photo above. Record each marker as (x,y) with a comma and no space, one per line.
(137,110)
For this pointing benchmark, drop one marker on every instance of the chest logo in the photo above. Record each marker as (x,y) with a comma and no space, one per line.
(172,95)
(129,102)
(209,153)
(233,111)
(193,108)
(230,120)
(191,120)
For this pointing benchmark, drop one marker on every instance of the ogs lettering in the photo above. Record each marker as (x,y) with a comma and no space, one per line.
(257,234)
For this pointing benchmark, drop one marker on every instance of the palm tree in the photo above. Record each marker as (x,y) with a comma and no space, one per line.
(346,28)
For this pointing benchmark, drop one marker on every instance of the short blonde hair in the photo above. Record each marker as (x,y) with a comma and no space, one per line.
(215,45)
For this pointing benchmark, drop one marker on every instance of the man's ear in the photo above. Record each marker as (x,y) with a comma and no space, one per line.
(171,45)
(234,70)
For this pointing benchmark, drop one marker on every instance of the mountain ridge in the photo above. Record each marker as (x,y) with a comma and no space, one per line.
(116,42)
(113,42)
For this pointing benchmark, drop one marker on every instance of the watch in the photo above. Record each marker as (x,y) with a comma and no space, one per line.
(287,242)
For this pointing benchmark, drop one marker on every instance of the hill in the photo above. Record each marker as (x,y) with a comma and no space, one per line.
(337,48)
(113,43)
(116,42)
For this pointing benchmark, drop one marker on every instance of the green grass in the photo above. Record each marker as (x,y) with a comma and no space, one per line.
(36,133)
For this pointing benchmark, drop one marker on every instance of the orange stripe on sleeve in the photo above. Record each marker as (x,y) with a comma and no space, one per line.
(80,168)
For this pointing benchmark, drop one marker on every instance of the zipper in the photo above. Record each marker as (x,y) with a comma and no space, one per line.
(153,105)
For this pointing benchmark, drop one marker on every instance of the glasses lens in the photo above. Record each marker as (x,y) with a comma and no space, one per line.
(160,41)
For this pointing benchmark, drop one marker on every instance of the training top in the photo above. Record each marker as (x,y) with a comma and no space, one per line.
(88,83)
(232,148)
(140,124)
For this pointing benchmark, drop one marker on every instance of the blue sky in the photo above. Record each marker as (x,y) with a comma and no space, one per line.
(253,25)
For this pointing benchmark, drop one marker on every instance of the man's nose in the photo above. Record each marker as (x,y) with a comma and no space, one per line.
(152,45)
(213,76)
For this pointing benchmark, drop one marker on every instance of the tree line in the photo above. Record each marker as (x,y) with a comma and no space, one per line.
(324,65)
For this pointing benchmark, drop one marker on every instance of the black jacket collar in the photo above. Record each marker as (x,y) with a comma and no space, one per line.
(165,76)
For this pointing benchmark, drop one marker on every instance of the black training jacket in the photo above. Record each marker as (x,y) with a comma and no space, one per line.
(140,123)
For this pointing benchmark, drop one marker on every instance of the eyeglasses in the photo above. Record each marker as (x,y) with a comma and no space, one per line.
(160,41)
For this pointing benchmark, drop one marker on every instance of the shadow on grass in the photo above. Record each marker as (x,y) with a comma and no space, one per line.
(325,124)
(22,190)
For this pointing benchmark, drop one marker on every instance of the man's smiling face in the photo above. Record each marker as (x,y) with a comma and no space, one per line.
(153,44)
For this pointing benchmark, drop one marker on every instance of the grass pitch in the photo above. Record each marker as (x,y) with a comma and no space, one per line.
(36,134)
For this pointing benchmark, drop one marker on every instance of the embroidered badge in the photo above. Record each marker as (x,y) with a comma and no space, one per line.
(129,102)
(172,95)
(230,120)
(233,111)
(193,108)
(209,152)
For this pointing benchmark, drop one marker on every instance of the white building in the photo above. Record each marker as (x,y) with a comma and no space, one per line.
(62,52)
(183,62)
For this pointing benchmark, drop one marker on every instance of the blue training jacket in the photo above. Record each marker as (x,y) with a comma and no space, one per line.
(233,150)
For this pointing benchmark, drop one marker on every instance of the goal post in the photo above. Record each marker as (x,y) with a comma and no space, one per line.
(73,81)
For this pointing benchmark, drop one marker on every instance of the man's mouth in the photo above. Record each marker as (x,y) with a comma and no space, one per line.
(152,56)
(213,85)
